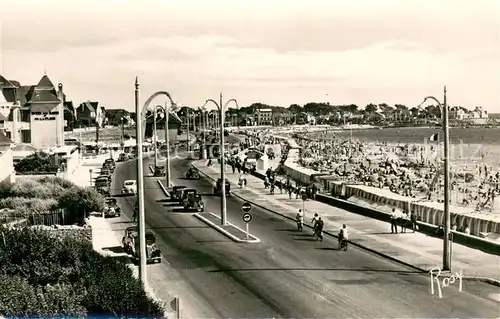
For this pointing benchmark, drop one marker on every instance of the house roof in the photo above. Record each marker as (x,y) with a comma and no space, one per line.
(44,108)
(113,112)
(4,83)
(45,83)
(4,140)
(24,148)
(90,106)
(43,96)
(43,92)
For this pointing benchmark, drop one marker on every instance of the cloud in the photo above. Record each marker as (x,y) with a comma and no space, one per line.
(356,51)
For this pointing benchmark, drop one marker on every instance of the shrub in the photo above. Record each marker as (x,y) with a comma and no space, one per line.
(80,201)
(27,206)
(49,193)
(45,274)
(44,188)
(38,163)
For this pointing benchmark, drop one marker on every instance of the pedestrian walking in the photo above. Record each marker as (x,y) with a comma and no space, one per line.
(413,219)
(394,228)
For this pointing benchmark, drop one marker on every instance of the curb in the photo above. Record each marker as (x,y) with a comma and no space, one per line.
(164,189)
(468,278)
(226,233)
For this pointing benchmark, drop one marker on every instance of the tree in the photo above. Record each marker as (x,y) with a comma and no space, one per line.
(38,163)
(371,108)
(415,111)
(295,108)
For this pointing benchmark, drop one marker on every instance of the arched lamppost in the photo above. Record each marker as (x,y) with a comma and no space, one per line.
(221,107)
(140,131)
(447,219)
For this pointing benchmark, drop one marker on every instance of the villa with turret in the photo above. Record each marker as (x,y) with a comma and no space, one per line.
(32,114)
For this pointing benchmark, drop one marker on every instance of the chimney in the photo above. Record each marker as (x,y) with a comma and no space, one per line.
(60,91)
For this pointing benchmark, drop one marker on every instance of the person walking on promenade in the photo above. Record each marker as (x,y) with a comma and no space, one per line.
(404,222)
(413,219)
(394,228)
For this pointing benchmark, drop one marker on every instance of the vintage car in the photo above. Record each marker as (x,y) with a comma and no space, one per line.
(185,193)
(122,157)
(110,161)
(111,208)
(193,201)
(129,187)
(175,193)
(130,244)
(103,190)
(192,173)
(218,188)
(102,181)
(108,167)
(160,170)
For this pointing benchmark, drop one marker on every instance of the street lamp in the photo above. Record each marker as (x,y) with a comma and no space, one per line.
(155,136)
(221,107)
(203,111)
(447,219)
(140,121)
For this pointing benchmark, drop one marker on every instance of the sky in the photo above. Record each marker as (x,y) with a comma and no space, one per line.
(277,52)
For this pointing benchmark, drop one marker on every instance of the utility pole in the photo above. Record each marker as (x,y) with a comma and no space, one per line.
(140,189)
(188,140)
(447,218)
(167,141)
(221,107)
(155,138)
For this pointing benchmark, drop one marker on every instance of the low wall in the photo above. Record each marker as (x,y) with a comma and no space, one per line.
(458,237)
(430,212)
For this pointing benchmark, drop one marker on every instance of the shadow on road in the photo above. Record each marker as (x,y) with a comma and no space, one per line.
(122,195)
(164,201)
(115,249)
(213,241)
(366,270)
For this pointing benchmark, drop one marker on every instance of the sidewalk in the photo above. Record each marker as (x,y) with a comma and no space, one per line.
(103,236)
(415,249)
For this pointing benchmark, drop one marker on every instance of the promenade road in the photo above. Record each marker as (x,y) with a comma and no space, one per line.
(288,274)
(417,249)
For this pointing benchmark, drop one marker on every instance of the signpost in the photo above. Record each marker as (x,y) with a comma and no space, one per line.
(247,217)
(90,172)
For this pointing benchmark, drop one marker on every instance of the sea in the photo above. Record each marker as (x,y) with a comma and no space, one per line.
(467,145)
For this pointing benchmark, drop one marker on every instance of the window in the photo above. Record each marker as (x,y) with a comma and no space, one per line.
(8,134)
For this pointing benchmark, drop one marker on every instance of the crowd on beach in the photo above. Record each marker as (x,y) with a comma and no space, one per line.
(408,170)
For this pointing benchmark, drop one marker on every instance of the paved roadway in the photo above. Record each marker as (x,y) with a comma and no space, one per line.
(288,274)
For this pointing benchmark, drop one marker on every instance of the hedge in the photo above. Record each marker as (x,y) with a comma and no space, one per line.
(43,274)
(48,194)
(38,163)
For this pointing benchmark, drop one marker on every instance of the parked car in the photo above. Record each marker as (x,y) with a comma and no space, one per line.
(103,190)
(110,161)
(129,187)
(218,187)
(192,173)
(160,170)
(102,181)
(111,208)
(176,191)
(122,157)
(185,193)
(193,201)
(130,244)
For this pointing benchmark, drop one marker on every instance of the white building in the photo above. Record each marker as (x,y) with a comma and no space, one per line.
(263,117)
